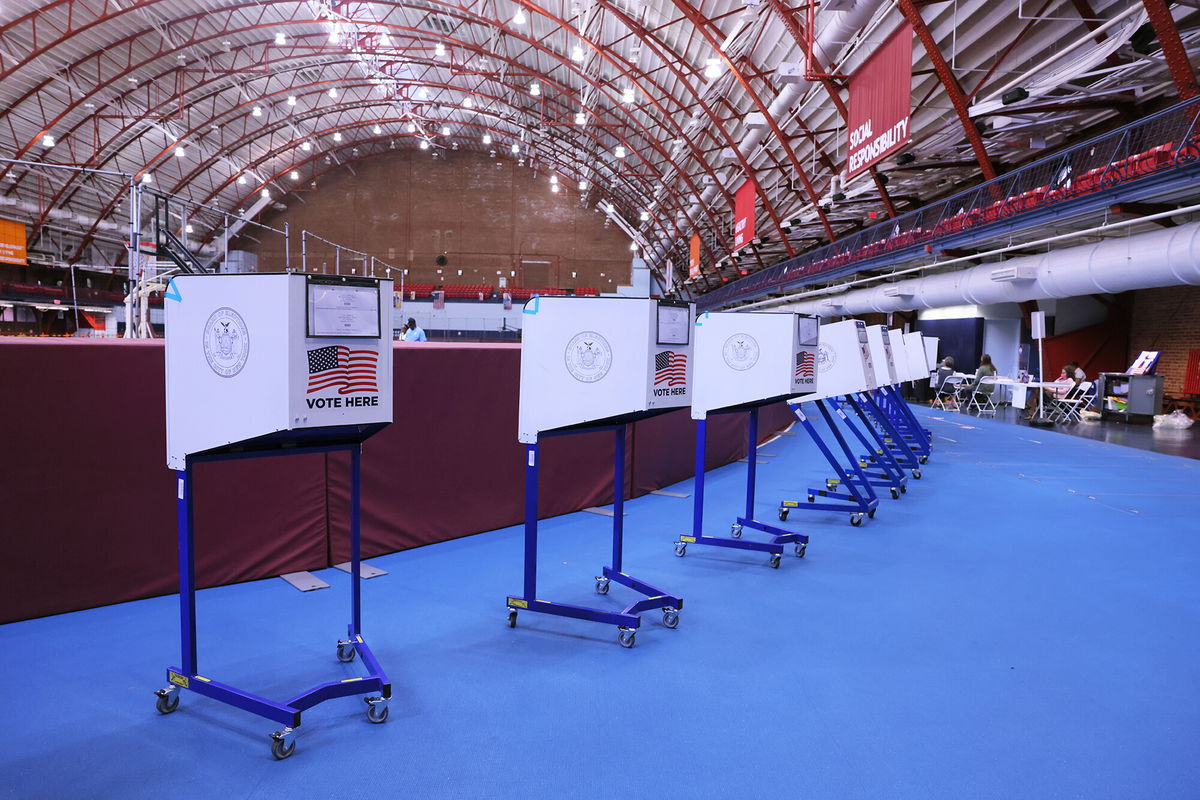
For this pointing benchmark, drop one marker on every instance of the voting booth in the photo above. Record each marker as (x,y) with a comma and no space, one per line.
(745,360)
(844,368)
(882,355)
(594,364)
(271,365)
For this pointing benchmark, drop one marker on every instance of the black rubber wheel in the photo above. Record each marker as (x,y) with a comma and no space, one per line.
(871,513)
(512,619)
(774,560)
(281,749)
(346,653)
(166,703)
(812,498)
(601,587)
(671,619)
(801,549)
(895,493)
(856,519)
(903,490)
(377,714)
(783,515)
(627,638)
(680,549)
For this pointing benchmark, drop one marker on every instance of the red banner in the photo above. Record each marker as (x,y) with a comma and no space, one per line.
(880,103)
(694,257)
(744,202)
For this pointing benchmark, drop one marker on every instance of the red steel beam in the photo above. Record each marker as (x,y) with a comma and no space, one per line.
(1173,50)
(953,89)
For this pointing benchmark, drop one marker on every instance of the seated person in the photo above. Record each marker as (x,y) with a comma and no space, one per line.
(986,370)
(946,393)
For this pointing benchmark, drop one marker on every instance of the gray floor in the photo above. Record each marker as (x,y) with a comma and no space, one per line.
(1168,441)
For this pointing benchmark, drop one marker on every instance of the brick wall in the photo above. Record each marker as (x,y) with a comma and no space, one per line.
(1166,319)
(484,215)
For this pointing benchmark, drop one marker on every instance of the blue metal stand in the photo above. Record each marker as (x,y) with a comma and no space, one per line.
(779,536)
(916,436)
(860,500)
(287,713)
(627,620)
(887,472)
(885,433)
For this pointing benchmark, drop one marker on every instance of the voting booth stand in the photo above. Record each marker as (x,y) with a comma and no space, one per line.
(843,367)
(598,364)
(274,365)
(743,362)
(891,400)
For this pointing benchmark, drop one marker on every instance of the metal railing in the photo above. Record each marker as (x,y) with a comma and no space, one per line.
(1160,142)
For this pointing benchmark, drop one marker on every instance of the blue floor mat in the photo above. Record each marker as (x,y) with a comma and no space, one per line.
(1022,623)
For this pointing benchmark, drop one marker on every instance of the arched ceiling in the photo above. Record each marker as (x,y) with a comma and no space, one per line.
(643,104)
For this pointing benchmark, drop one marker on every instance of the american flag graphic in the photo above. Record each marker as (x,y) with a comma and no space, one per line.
(806,362)
(337,366)
(670,368)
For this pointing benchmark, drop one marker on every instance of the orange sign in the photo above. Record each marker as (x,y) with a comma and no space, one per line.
(694,257)
(12,242)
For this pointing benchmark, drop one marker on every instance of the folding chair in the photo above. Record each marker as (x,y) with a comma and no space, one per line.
(978,400)
(1069,408)
(947,388)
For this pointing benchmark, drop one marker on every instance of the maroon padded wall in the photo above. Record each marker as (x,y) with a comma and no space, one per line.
(87,504)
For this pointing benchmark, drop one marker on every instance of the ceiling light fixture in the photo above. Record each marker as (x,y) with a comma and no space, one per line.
(337,136)
(332,91)
(306,146)
(266,194)
(439,49)
(424,144)
(280,38)
(519,18)
(516,148)
(644,216)
(580,118)
(628,95)
(577,53)
(291,100)
(47,141)
(412,127)
(583,186)
(335,34)
(378,129)
(147,177)
(445,130)
(487,138)
(256,111)
(385,40)
(295,175)
(712,68)
(241,180)
(619,152)
(188,228)
(468,102)
(553,179)
(180,152)
(554,187)
(535,88)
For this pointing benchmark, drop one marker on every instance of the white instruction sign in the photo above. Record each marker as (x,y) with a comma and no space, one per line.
(343,311)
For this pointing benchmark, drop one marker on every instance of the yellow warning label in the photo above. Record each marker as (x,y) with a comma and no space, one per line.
(359,639)
(177,679)
(687,538)
(351,680)
(202,678)
(791,503)
(512,601)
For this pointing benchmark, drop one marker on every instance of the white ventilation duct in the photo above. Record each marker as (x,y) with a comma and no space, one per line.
(1168,257)
(839,27)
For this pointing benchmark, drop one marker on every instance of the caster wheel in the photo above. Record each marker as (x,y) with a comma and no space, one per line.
(916,473)
(895,493)
(856,519)
(512,618)
(670,618)
(680,549)
(601,585)
(783,515)
(903,490)
(735,531)
(774,560)
(812,498)
(166,701)
(626,636)
(377,710)
(871,513)
(346,652)
(923,459)
(282,745)
(801,548)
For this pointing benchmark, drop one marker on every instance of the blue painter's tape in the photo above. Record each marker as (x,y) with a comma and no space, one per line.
(532,306)
(172,292)
(698,322)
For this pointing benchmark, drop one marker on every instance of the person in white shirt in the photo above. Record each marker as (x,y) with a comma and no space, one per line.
(413,332)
